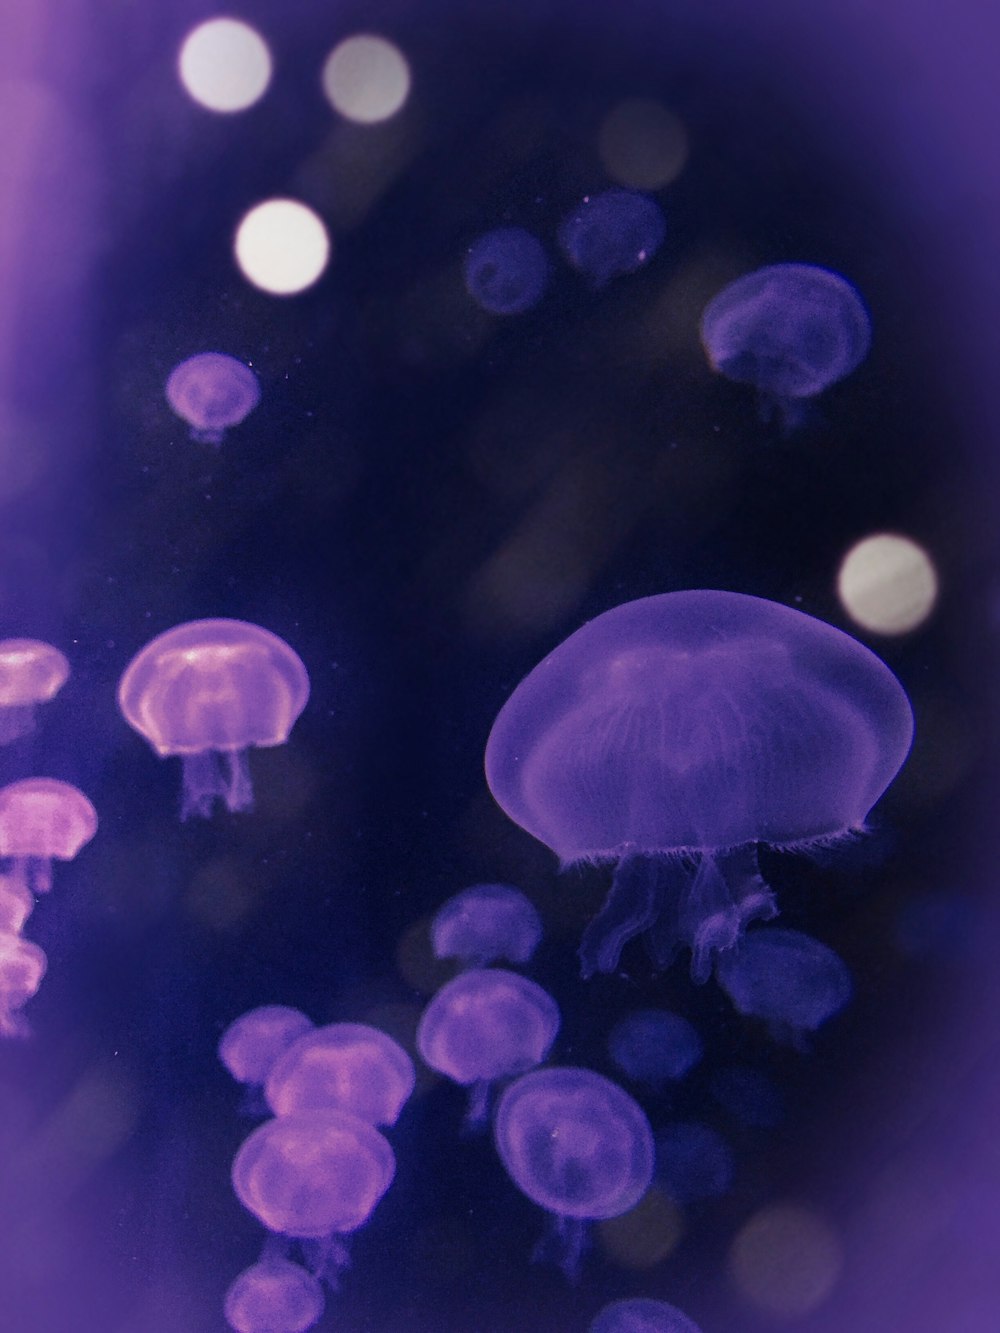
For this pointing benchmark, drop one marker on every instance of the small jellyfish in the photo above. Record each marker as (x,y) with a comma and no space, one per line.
(485,923)
(640,1314)
(43,820)
(654,1046)
(608,235)
(790,331)
(506,271)
(274,1296)
(17,902)
(22,966)
(208,690)
(577,1145)
(486,1024)
(31,673)
(343,1067)
(789,980)
(673,734)
(693,1162)
(253,1042)
(212,391)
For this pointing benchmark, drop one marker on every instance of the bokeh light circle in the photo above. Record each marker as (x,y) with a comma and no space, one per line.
(224,65)
(887,583)
(785,1260)
(366,78)
(282,247)
(642,144)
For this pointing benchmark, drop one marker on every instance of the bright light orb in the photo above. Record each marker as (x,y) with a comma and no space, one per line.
(887,584)
(224,65)
(282,247)
(366,79)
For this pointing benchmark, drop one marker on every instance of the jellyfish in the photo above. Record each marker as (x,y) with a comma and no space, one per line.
(611,234)
(274,1295)
(212,391)
(22,966)
(17,902)
(484,1025)
(641,1314)
(208,690)
(672,735)
(577,1145)
(654,1046)
(789,980)
(42,820)
(253,1042)
(344,1067)
(506,271)
(31,673)
(790,331)
(693,1162)
(485,923)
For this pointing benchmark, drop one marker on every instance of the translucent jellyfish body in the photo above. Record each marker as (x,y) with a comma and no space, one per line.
(608,235)
(506,271)
(789,330)
(43,820)
(211,392)
(22,967)
(345,1067)
(274,1296)
(208,690)
(654,1046)
(789,980)
(485,923)
(673,734)
(485,1025)
(31,673)
(693,1162)
(577,1145)
(17,902)
(640,1314)
(253,1042)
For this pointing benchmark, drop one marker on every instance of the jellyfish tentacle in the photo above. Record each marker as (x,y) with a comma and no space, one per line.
(239,789)
(728,893)
(327,1257)
(563,1243)
(478,1112)
(633,904)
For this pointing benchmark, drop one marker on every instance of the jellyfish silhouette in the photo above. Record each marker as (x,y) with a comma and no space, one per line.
(207,690)
(654,1046)
(789,980)
(790,331)
(31,673)
(212,391)
(42,820)
(673,734)
(253,1042)
(693,1161)
(22,967)
(274,1296)
(577,1145)
(485,1025)
(343,1067)
(506,271)
(640,1314)
(611,234)
(485,923)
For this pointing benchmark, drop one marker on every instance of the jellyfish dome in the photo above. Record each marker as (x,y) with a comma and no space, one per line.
(31,673)
(789,330)
(345,1067)
(274,1296)
(252,1043)
(673,734)
(654,1046)
(212,391)
(484,923)
(42,820)
(791,981)
(22,967)
(506,271)
(208,690)
(577,1145)
(612,234)
(640,1314)
(693,1161)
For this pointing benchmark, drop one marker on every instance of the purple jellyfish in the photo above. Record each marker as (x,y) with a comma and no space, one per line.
(608,235)
(673,734)
(485,1025)
(274,1296)
(17,902)
(43,820)
(31,673)
(208,690)
(253,1042)
(506,271)
(22,966)
(789,980)
(654,1046)
(343,1067)
(790,331)
(485,923)
(212,391)
(640,1314)
(693,1162)
(577,1145)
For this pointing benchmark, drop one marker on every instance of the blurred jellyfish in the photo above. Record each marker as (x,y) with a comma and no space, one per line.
(791,981)
(654,1046)
(506,271)
(22,966)
(748,1095)
(790,331)
(640,1314)
(608,235)
(212,391)
(577,1145)
(31,673)
(43,820)
(485,1025)
(208,690)
(253,1042)
(673,734)
(274,1296)
(693,1162)
(485,923)
(343,1067)
(17,902)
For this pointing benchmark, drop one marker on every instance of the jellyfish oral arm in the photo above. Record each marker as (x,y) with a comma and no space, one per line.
(563,1243)
(636,899)
(727,894)
(215,773)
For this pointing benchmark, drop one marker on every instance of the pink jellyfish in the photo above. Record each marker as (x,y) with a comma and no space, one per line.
(17,902)
(344,1067)
(31,673)
(252,1043)
(22,966)
(211,391)
(43,820)
(208,690)
(274,1295)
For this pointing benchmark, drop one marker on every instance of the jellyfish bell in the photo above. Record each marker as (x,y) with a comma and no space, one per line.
(654,1046)
(671,735)
(485,923)
(611,234)
(208,690)
(42,820)
(252,1043)
(642,1314)
(506,271)
(346,1067)
(22,967)
(272,1295)
(17,902)
(31,673)
(211,392)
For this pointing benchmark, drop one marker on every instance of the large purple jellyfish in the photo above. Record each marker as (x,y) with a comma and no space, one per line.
(31,673)
(612,234)
(208,690)
(641,1314)
(484,923)
(345,1067)
(673,734)
(506,271)
(212,391)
